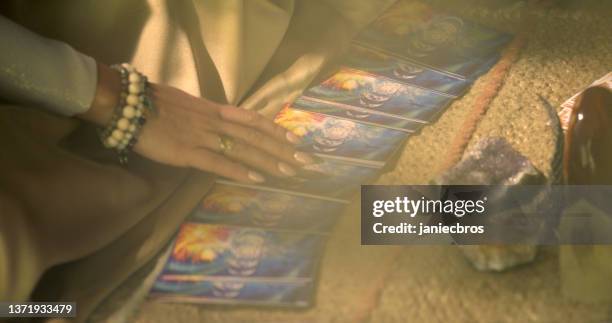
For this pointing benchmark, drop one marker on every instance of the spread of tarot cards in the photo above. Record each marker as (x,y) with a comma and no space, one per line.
(262,244)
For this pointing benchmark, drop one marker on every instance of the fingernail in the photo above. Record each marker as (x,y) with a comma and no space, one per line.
(286,169)
(303,158)
(293,138)
(256,177)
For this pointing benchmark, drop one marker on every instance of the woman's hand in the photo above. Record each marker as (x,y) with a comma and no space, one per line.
(187,131)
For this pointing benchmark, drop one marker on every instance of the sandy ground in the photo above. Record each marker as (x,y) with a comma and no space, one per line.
(567,51)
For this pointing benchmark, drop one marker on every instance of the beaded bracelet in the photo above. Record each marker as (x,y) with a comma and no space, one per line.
(130,114)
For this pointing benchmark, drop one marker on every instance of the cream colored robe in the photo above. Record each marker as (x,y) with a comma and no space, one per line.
(67,210)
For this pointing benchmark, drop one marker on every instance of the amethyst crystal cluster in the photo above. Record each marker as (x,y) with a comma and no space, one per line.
(493,161)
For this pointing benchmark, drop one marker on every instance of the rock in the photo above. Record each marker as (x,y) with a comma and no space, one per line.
(493,161)
(498,258)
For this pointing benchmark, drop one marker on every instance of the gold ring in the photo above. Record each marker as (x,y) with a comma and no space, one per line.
(225,143)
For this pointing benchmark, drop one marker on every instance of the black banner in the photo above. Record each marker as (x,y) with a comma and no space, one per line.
(526,214)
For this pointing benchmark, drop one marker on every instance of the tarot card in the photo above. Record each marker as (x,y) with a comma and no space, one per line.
(361,115)
(341,138)
(209,250)
(406,72)
(440,41)
(380,95)
(265,208)
(222,291)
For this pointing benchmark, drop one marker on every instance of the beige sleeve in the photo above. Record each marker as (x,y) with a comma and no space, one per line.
(44,73)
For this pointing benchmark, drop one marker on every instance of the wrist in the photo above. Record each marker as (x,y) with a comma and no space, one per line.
(108,92)
(129,113)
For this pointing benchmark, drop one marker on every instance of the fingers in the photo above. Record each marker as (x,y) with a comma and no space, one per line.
(242,154)
(255,120)
(211,162)
(255,138)
(287,153)
(256,130)
(259,160)
(258,145)
(206,140)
